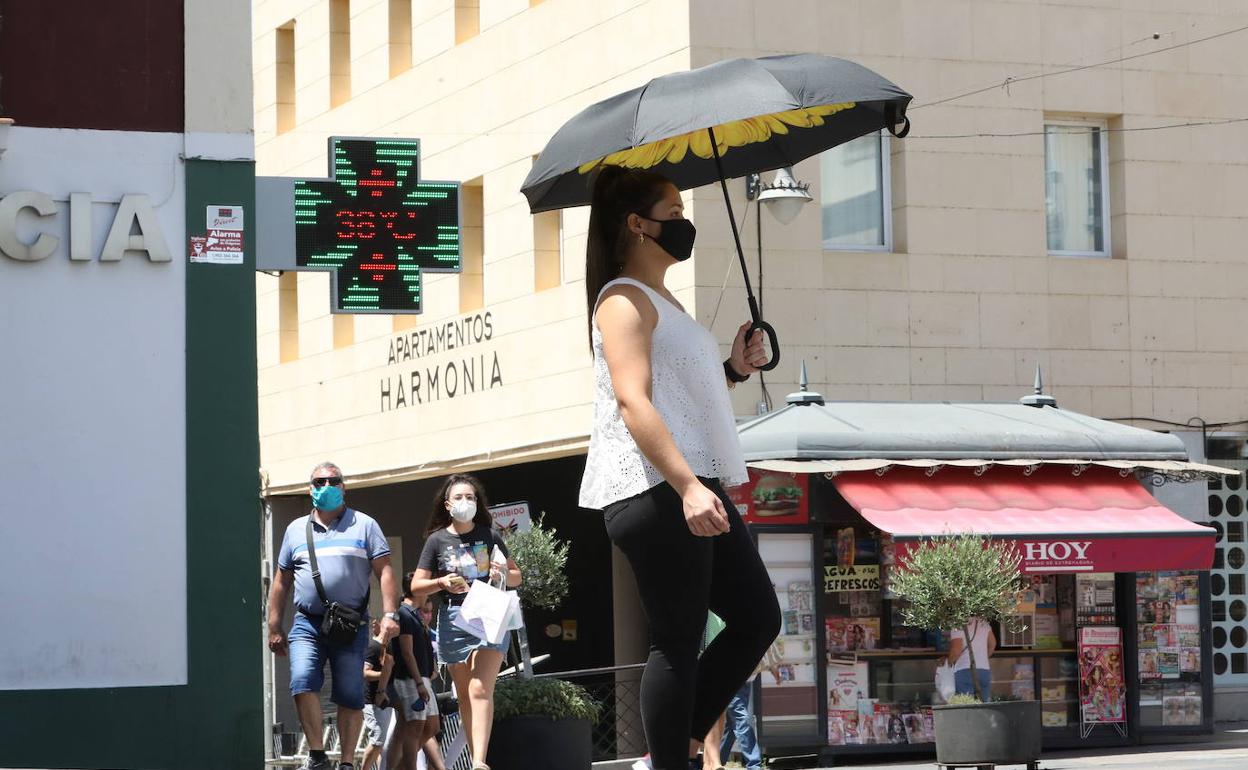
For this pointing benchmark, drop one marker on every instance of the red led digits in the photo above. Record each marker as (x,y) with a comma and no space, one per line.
(376,225)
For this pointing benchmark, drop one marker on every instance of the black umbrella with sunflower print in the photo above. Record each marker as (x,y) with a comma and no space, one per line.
(725,120)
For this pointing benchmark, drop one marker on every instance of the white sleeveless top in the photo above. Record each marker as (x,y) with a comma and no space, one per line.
(689,392)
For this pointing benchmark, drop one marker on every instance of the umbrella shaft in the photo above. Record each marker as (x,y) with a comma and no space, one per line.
(736,236)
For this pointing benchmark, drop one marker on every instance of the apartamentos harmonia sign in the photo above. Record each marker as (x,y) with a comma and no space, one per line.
(449,360)
(863,577)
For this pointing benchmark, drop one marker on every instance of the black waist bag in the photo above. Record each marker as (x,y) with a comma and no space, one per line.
(341,624)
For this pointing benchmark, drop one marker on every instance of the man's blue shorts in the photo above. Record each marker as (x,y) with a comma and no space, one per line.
(308,652)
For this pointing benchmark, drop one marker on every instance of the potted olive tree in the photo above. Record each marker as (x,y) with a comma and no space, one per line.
(947,583)
(540,722)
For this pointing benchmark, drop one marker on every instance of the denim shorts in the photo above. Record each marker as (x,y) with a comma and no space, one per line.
(965,685)
(308,652)
(455,644)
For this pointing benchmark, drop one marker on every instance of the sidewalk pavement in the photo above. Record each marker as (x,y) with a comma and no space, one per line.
(1226,749)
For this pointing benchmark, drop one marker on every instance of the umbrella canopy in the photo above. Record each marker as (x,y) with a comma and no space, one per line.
(763,113)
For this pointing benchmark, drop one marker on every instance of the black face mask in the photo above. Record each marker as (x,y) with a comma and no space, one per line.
(676,237)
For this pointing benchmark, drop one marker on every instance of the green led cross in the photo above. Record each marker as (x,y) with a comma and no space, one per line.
(376,225)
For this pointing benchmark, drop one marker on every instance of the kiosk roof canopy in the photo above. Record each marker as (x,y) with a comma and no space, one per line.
(1100,521)
(849,430)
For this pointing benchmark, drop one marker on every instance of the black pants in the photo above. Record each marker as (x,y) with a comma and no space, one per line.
(680,576)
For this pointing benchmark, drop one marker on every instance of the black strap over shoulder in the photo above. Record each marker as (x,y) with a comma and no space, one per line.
(316,572)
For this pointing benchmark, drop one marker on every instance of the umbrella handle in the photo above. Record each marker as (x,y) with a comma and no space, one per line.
(755,314)
(770,331)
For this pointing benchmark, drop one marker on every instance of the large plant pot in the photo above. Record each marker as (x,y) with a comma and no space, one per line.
(1001,733)
(524,743)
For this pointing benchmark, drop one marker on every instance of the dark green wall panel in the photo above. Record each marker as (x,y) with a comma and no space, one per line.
(215,721)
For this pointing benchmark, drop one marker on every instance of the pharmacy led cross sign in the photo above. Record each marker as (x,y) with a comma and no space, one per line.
(376,225)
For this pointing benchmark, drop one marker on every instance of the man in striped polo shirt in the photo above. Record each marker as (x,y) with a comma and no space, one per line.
(350,548)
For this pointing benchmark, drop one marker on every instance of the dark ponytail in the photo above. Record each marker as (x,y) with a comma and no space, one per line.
(618,192)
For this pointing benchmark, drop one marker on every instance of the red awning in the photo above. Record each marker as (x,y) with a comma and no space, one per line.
(1098,521)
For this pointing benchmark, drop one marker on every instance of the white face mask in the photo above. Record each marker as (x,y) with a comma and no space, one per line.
(463,510)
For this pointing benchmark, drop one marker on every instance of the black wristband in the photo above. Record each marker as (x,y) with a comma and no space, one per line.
(731,373)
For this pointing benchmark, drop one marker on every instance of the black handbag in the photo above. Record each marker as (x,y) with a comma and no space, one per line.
(341,624)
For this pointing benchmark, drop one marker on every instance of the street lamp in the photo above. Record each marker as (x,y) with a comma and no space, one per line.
(784,197)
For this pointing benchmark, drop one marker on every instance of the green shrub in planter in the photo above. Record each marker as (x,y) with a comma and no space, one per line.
(544,697)
(947,582)
(544,722)
(541,557)
(962,699)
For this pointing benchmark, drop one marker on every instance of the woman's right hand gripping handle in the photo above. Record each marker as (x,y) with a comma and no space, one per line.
(704,511)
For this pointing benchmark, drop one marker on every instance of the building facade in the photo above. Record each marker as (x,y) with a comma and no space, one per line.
(1070,198)
(128,396)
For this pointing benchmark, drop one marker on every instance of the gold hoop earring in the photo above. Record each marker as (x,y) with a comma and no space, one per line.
(641,238)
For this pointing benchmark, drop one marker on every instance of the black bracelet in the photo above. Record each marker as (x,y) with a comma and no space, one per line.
(731,373)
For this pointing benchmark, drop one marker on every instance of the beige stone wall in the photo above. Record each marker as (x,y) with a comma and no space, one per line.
(482,109)
(969,302)
(965,305)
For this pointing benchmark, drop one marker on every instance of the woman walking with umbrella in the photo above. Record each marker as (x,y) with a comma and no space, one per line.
(664,444)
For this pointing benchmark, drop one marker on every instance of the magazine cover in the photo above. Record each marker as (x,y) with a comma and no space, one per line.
(1044,590)
(866,720)
(836,629)
(1191,710)
(913,724)
(852,634)
(1187,589)
(836,728)
(1168,663)
(888,725)
(1173,710)
(845,547)
(1150,694)
(1102,687)
(1189,660)
(847,683)
(792,623)
(801,596)
(852,730)
(1189,636)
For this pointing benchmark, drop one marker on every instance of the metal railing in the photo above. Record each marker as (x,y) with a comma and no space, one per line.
(618,733)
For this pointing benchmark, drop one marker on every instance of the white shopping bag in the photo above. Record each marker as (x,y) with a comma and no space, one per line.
(473,626)
(944,681)
(515,618)
(486,612)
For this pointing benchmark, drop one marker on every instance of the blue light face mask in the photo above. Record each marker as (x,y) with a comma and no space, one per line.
(327,498)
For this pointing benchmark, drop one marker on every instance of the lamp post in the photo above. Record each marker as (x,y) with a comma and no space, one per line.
(784,197)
